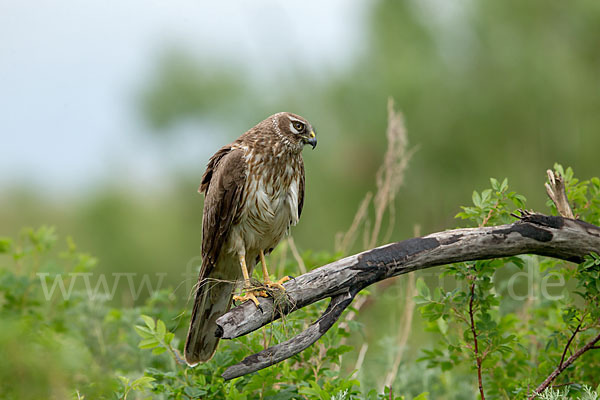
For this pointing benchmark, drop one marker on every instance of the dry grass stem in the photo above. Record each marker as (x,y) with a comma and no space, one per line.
(361,357)
(282,258)
(389,179)
(390,175)
(296,254)
(404,330)
(358,303)
(345,240)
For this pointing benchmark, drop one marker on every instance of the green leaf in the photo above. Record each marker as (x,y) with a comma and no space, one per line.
(422,396)
(495,184)
(143,331)
(148,343)
(422,289)
(486,195)
(149,322)
(158,350)
(519,200)
(161,329)
(442,325)
(476,199)
(194,392)
(142,383)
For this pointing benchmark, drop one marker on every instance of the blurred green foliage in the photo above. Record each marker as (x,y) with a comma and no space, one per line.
(518,346)
(72,344)
(63,340)
(487,89)
(185,88)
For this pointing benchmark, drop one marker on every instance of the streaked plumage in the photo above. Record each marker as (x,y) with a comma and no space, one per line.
(254,190)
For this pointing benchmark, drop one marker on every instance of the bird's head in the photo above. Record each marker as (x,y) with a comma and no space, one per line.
(295,129)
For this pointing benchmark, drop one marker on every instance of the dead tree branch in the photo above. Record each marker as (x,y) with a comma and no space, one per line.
(286,349)
(551,236)
(557,192)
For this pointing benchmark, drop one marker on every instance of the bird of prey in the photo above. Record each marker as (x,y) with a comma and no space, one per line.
(254,192)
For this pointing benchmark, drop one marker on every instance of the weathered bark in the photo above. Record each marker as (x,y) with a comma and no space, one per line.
(286,349)
(555,187)
(557,237)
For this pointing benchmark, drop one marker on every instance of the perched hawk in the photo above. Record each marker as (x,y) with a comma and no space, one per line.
(254,190)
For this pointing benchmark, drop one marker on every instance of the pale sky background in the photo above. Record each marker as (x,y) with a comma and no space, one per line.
(70,71)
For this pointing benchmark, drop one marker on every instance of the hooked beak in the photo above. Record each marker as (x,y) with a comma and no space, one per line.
(312,139)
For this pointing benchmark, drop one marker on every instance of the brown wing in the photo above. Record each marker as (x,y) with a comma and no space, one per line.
(223,183)
(301,190)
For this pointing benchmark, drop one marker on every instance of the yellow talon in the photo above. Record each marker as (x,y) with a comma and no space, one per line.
(268,281)
(250,296)
(277,284)
(252,293)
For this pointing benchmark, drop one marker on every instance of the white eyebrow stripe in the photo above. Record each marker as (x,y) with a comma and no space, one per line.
(296,120)
(292,127)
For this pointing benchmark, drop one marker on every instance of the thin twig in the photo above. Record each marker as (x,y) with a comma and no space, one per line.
(565,365)
(490,213)
(475,345)
(563,384)
(562,359)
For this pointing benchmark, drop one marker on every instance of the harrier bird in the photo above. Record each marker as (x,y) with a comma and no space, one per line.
(254,190)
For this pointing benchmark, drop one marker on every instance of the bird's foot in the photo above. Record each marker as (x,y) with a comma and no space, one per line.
(251,295)
(278,285)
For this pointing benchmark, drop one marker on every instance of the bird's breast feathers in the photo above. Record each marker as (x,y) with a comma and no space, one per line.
(271,197)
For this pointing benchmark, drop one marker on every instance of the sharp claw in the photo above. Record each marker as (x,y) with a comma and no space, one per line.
(250,296)
(284,279)
(277,284)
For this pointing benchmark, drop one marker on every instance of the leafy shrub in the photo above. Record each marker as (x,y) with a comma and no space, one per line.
(61,342)
(516,340)
(77,345)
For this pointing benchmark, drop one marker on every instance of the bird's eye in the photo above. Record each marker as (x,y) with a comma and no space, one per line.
(299,126)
